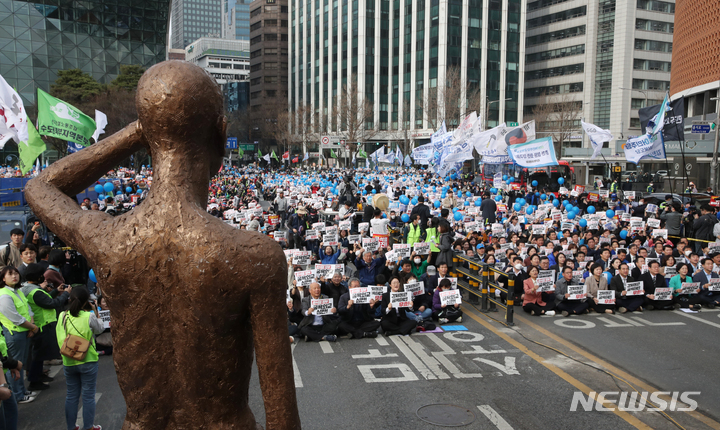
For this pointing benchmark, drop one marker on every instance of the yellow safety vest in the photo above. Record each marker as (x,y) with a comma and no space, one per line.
(22,307)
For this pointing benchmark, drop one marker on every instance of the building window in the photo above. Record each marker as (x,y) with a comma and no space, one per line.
(542,3)
(271,23)
(555,35)
(658,26)
(555,71)
(556,53)
(255,26)
(270,93)
(255,12)
(655,66)
(648,84)
(658,6)
(557,17)
(554,89)
(653,45)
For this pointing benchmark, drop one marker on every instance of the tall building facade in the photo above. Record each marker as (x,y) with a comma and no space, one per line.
(268,52)
(608,58)
(193,19)
(397,52)
(236,19)
(226,60)
(38,39)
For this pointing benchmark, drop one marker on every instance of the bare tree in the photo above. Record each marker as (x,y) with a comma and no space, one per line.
(451,99)
(354,115)
(558,117)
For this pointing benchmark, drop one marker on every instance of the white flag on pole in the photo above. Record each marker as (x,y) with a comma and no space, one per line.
(100,123)
(13,113)
(597,137)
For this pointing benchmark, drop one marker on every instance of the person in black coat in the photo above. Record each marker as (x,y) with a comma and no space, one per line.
(707,297)
(357,319)
(652,279)
(395,319)
(423,211)
(617,283)
(315,327)
(488,207)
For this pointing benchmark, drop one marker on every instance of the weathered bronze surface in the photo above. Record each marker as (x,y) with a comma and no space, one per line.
(189,295)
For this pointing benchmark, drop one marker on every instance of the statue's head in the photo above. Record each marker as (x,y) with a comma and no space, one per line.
(180,108)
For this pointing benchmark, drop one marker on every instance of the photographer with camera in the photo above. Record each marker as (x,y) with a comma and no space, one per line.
(347,189)
(80,321)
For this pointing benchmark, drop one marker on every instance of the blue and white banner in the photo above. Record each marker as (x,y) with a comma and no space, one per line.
(537,153)
(73,147)
(645,146)
(439,132)
(597,137)
(423,154)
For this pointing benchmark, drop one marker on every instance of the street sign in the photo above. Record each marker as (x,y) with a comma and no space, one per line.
(700,128)
(232,143)
(512,124)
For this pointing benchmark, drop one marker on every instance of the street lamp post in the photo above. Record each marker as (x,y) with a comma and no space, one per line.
(714,164)
(487,109)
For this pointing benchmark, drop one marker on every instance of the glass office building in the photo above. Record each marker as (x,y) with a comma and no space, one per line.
(39,38)
(236,19)
(399,50)
(193,19)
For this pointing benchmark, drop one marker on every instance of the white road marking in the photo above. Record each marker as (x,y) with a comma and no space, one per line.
(613,324)
(429,361)
(326,347)
(382,341)
(296,370)
(445,361)
(628,320)
(477,349)
(575,323)
(54,370)
(367,372)
(459,336)
(374,353)
(419,365)
(509,366)
(652,324)
(79,422)
(696,318)
(494,417)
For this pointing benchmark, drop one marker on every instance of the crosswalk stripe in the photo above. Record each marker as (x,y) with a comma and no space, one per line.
(494,417)
(326,347)
(296,370)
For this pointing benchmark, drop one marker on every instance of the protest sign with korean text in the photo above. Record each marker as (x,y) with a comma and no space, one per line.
(321,307)
(450,297)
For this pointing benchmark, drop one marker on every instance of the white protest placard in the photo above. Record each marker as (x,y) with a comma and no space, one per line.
(327,270)
(606,297)
(370,244)
(361,295)
(376,291)
(345,225)
(330,237)
(593,225)
(653,223)
(497,229)
(538,229)
(625,217)
(391,256)
(353,239)
(714,284)
(545,284)
(402,250)
(401,299)
(104,316)
(279,236)
(577,276)
(302,258)
(630,195)
(312,235)
(304,277)
(450,297)
(321,306)
(634,289)
(331,229)
(651,208)
(363,226)
(663,293)
(670,271)
(714,247)
(453,282)
(414,288)
(577,292)
(472,226)
(660,232)
(689,288)
(422,248)
(547,274)
(567,226)
(319,226)
(288,253)
(604,193)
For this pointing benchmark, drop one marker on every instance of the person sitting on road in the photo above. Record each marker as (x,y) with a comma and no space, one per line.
(688,301)
(653,279)
(395,319)
(419,264)
(707,297)
(356,319)
(334,288)
(443,313)
(532,301)
(562,298)
(328,256)
(596,282)
(368,267)
(619,283)
(317,327)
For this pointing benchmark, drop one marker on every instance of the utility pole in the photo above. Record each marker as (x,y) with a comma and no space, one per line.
(714,164)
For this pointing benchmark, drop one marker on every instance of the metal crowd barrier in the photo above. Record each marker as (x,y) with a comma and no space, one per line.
(476,281)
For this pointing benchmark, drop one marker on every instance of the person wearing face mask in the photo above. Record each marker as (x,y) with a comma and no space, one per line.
(419,265)
(520,276)
(414,232)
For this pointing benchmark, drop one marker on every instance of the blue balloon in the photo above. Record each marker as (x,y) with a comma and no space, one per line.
(414,201)
(374,191)
(99,188)
(537,194)
(101,196)
(458,216)
(493,190)
(566,203)
(560,235)
(365,192)
(508,181)
(91,275)
(128,190)
(504,220)
(109,187)
(118,193)
(521,201)
(437,203)
(405,218)
(468,194)
(561,181)
(610,213)
(583,223)
(556,202)
(505,177)
(591,209)
(534,183)
(498,198)
(623,234)
(529,210)
(404,199)
(517,207)
(384,215)
(139,192)
(478,202)
(571,215)
(543,196)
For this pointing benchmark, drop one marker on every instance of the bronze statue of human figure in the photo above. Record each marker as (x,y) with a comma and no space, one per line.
(190,296)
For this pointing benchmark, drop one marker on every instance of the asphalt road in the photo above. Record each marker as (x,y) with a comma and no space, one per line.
(490,370)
